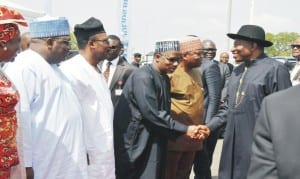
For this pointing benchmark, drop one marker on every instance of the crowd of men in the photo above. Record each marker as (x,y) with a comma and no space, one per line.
(96,116)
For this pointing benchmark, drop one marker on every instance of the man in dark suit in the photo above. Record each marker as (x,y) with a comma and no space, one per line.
(212,84)
(276,146)
(209,50)
(119,70)
(142,121)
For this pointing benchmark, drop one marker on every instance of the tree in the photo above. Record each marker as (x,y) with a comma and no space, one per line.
(281,43)
(73,41)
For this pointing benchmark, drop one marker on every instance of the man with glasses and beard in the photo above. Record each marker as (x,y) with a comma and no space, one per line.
(119,70)
(94,96)
(50,110)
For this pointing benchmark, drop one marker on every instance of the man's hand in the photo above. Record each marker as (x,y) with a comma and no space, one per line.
(29,173)
(199,132)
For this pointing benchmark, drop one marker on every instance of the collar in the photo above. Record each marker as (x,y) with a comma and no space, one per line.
(261,56)
(114,62)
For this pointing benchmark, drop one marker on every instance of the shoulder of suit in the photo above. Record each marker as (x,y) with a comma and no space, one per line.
(288,94)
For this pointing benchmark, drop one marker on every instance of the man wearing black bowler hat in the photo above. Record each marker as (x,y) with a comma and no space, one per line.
(250,82)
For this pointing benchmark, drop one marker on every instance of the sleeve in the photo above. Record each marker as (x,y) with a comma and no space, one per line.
(25,81)
(263,163)
(220,119)
(281,80)
(214,83)
(145,94)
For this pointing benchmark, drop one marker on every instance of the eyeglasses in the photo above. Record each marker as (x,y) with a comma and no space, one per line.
(101,40)
(209,49)
(295,46)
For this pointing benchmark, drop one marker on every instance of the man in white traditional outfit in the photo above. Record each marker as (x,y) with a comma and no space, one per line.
(54,145)
(94,96)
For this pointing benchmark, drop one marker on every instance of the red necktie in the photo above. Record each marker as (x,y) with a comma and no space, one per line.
(106,72)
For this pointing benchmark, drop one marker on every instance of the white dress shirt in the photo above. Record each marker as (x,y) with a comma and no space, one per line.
(113,67)
(295,74)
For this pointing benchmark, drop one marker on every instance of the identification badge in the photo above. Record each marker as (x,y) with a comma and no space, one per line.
(118,92)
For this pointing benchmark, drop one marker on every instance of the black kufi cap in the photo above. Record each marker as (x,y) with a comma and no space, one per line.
(90,27)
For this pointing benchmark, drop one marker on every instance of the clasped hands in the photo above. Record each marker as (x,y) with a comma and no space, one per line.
(199,132)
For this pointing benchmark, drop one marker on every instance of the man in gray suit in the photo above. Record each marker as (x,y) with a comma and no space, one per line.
(212,84)
(209,49)
(119,70)
(276,145)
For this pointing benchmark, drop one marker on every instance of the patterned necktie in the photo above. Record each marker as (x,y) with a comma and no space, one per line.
(106,72)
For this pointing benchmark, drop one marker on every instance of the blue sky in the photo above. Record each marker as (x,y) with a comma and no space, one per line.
(164,19)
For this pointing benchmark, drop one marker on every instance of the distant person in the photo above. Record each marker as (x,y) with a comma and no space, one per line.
(212,85)
(94,96)
(251,81)
(115,68)
(121,53)
(54,146)
(11,163)
(142,121)
(136,59)
(295,74)
(25,41)
(224,58)
(187,107)
(276,145)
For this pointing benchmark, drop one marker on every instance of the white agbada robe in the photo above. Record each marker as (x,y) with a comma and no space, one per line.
(51,119)
(94,96)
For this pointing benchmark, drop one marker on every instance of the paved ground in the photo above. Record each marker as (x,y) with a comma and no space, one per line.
(216,160)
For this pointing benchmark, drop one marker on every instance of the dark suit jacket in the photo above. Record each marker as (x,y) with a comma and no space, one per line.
(225,75)
(230,67)
(142,125)
(276,146)
(122,72)
(211,80)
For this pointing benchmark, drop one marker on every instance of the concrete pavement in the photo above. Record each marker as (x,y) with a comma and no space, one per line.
(216,160)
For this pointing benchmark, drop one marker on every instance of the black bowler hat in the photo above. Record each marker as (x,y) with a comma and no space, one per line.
(252,33)
(90,27)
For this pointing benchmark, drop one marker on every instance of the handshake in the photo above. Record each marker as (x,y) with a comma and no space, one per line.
(199,132)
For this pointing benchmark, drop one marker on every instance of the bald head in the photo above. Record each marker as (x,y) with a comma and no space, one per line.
(296,49)
(209,49)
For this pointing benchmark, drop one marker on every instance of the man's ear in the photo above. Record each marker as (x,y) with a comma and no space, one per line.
(50,42)
(157,57)
(254,46)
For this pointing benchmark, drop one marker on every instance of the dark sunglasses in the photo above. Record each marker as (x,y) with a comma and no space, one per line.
(295,46)
(209,49)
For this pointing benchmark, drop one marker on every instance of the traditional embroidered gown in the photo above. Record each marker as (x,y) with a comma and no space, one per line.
(8,126)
